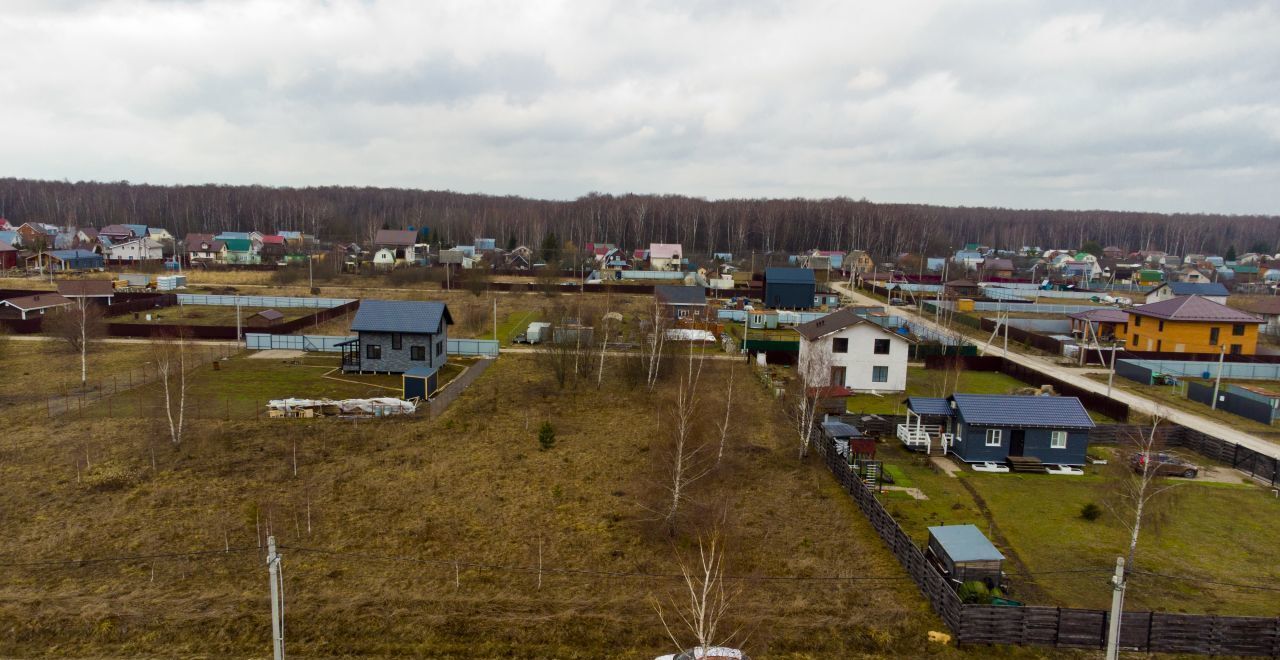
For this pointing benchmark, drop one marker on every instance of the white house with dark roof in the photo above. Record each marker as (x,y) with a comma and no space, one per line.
(1214,291)
(860,355)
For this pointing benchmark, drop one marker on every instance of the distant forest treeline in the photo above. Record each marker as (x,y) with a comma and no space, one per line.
(734,225)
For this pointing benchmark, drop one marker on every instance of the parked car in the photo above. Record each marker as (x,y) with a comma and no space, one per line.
(1164,465)
(1064,469)
(897,302)
(990,466)
(521,338)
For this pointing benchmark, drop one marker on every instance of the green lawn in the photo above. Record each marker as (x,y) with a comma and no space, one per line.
(925,382)
(1214,531)
(511,325)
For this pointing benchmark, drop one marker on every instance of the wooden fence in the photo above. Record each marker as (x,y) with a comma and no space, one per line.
(228,332)
(1058,627)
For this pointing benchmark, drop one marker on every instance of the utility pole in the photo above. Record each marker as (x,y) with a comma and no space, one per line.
(1117,611)
(1111,374)
(1217,382)
(277,601)
(495,319)
(239,334)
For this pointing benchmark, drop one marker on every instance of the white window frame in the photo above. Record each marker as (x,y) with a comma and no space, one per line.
(873,374)
(996,435)
(1057,440)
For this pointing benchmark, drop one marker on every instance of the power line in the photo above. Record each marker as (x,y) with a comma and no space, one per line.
(125,558)
(1188,578)
(362,556)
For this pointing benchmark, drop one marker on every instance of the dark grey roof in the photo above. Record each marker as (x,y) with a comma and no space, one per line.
(841,430)
(673,294)
(965,543)
(414,316)
(789,275)
(422,371)
(271,315)
(841,319)
(923,405)
(1054,412)
(1196,288)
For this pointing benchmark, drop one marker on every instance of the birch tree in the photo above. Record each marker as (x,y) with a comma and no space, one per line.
(171,366)
(722,426)
(79,325)
(701,609)
(689,454)
(651,349)
(813,376)
(1135,499)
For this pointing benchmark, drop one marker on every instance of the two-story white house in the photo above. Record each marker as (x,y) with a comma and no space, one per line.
(854,353)
(137,249)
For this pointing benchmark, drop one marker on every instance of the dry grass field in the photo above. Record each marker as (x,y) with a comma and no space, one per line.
(423,537)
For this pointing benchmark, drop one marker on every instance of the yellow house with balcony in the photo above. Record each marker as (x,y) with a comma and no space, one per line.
(1191,324)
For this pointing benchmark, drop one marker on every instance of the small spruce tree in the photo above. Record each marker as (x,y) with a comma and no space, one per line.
(546,436)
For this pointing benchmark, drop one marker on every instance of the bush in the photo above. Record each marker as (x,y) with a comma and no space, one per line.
(546,436)
(1090,512)
(974,592)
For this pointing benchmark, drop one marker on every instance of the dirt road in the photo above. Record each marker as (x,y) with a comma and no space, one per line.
(1080,378)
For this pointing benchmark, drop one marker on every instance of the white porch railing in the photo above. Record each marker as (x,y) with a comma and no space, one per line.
(919,436)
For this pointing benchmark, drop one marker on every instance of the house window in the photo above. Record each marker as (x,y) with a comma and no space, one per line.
(1237,349)
(840,345)
(1159,345)
(418,353)
(1058,440)
(1161,328)
(1213,336)
(1137,320)
(1237,330)
(373,351)
(396,342)
(1135,339)
(882,347)
(837,376)
(439,348)
(993,437)
(879,374)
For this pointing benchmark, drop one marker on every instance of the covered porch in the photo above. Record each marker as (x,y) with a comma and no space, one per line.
(350,354)
(928,425)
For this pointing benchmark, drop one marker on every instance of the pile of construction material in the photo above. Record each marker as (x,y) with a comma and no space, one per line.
(376,407)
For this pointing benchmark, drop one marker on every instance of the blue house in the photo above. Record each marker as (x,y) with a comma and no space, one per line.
(789,288)
(399,337)
(1052,430)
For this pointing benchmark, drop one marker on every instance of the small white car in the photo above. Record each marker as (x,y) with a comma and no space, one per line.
(990,466)
(1064,469)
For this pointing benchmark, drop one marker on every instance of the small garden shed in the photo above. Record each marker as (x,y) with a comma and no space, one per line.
(964,554)
(419,382)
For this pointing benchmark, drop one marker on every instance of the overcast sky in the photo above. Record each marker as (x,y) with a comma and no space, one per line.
(1126,105)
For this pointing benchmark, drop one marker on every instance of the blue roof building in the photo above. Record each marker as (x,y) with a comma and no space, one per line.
(994,427)
(964,554)
(789,288)
(398,336)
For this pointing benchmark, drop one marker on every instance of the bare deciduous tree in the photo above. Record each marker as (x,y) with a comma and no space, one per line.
(813,376)
(723,425)
(651,347)
(702,607)
(171,366)
(1132,500)
(689,458)
(79,325)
